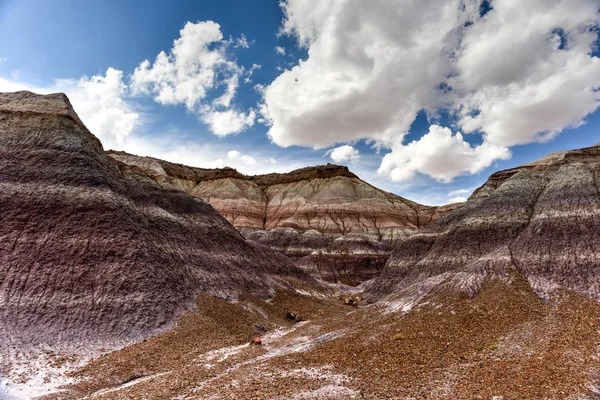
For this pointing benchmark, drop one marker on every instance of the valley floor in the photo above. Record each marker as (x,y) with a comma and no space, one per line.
(504,343)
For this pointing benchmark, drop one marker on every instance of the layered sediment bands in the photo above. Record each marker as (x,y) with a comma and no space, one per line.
(327,198)
(309,213)
(350,259)
(88,256)
(540,220)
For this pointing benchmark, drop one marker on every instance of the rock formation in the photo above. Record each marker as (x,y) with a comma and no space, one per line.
(96,251)
(539,221)
(87,255)
(339,227)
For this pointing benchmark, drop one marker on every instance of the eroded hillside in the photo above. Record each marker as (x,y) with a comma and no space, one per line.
(337,226)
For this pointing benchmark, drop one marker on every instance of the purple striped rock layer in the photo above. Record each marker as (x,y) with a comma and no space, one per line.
(539,220)
(88,256)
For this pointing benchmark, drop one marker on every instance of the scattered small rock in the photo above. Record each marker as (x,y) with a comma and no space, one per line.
(257,341)
(400,336)
(352,301)
(294,317)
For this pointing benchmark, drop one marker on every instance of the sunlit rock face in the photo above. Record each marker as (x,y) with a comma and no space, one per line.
(539,220)
(340,227)
(93,250)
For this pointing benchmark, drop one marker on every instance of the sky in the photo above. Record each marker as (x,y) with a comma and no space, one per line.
(422,99)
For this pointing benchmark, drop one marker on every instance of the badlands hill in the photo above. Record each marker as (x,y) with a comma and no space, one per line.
(496,300)
(337,227)
(538,221)
(89,256)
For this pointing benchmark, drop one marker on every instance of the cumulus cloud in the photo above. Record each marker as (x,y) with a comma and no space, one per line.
(223,123)
(344,153)
(100,104)
(441,155)
(521,73)
(544,81)
(457,199)
(280,50)
(186,74)
(100,101)
(234,155)
(197,64)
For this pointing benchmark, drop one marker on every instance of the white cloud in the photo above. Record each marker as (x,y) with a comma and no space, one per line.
(344,153)
(186,74)
(441,155)
(231,84)
(249,160)
(223,123)
(242,42)
(280,50)
(7,85)
(234,155)
(100,101)
(254,67)
(100,105)
(459,192)
(457,199)
(2,60)
(371,67)
(536,88)
(197,64)
(521,73)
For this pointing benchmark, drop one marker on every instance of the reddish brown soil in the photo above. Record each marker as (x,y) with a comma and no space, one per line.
(504,342)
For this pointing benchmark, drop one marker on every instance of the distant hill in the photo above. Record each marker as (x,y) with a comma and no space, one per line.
(339,227)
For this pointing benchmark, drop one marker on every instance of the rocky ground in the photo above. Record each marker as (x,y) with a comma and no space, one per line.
(505,343)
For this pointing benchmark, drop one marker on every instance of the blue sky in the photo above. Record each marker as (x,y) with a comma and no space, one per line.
(413,99)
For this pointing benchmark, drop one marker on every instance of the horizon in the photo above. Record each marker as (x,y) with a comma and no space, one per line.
(272,87)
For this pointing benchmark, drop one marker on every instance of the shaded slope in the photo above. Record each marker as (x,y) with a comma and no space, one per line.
(89,256)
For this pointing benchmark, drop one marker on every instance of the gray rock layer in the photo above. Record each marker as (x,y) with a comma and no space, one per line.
(87,255)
